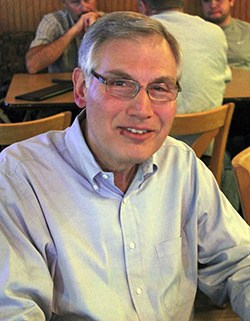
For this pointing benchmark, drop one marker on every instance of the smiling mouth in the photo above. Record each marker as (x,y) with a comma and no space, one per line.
(214,13)
(137,131)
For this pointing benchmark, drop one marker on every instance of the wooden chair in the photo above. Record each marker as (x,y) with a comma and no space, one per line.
(14,132)
(212,125)
(241,167)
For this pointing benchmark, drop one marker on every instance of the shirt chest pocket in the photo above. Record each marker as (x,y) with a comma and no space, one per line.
(179,287)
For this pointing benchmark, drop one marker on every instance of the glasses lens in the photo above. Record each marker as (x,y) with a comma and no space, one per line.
(162,91)
(121,88)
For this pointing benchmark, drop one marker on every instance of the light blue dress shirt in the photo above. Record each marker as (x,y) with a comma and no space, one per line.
(72,243)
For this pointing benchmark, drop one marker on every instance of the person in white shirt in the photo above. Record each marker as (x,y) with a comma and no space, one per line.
(205,70)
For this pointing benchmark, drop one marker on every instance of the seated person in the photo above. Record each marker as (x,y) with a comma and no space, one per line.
(204,48)
(58,37)
(205,66)
(237,31)
(111,219)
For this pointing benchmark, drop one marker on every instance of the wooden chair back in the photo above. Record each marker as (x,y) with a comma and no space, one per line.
(212,126)
(14,132)
(241,167)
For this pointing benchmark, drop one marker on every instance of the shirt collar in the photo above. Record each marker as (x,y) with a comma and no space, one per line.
(71,20)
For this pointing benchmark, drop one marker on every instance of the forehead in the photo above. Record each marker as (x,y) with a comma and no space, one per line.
(79,1)
(138,55)
(217,1)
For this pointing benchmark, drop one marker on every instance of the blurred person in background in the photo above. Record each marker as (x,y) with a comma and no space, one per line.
(205,69)
(237,31)
(59,35)
(204,49)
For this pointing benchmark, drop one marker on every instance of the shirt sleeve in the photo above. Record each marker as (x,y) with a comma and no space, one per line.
(26,289)
(224,252)
(48,30)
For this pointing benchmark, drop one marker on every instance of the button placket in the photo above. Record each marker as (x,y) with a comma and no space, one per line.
(133,263)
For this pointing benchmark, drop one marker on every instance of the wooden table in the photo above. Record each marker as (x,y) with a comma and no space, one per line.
(239,88)
(23,83)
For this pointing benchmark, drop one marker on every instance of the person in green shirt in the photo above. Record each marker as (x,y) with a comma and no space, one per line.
(237,31)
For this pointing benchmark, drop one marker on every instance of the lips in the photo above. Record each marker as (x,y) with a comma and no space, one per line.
(137,131)
(212,13)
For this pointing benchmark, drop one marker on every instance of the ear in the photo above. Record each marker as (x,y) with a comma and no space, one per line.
(143,8)
(79,87)
(231,3)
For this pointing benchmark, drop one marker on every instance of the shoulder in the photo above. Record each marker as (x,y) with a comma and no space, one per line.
(187,23)
(203,25)
(176,149)
(32,150)
(240,24)
(53,25)
(56,16)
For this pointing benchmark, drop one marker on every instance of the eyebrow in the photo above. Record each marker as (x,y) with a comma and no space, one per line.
(123,75)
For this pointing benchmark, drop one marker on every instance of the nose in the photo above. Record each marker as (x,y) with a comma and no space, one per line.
(86,6)
(141,105)
(213,3)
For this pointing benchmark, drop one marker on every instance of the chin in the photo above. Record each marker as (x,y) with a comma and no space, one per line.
(215,20)
(139,158)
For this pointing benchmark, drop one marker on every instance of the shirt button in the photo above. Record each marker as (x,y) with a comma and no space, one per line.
(132,246)
(138,291)
(105,176)
(95,187)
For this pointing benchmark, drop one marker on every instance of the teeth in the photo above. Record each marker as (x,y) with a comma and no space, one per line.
(136,131)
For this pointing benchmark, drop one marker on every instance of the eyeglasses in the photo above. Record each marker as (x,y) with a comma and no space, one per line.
(211,1)
(127,88)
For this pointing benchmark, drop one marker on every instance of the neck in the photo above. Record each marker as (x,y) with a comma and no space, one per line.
(123,175)
(157,11)
(226,22)
(124,179)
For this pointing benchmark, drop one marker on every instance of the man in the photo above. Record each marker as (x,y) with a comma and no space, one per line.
(59,35)
(237,31)
(205,67)
(109,219)
(204,47)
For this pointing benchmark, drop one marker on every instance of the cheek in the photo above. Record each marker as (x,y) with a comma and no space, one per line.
(96,107)
(167,115)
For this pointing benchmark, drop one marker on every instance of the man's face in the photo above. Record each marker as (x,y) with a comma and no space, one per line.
(216,11)
(79,7)
(122,132)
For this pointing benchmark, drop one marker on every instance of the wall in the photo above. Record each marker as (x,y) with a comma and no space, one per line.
(24,15)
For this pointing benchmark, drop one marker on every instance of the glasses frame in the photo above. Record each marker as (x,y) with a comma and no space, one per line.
(137,87)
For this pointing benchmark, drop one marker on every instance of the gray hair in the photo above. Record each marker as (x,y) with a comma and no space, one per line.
(161,5)
(121,25)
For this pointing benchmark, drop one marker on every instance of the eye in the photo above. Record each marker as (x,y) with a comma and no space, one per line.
(159,87)
(119,83)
